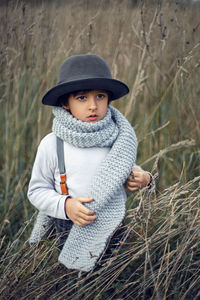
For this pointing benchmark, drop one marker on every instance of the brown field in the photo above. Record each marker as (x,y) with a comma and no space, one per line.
(153,46)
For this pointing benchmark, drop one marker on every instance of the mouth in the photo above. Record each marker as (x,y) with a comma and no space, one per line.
(92,117)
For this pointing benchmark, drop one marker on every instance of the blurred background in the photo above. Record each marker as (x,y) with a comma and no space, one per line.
(154,47)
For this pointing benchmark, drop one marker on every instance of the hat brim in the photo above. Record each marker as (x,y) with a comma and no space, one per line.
(115,87)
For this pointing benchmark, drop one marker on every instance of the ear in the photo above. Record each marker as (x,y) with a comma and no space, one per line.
(65,106)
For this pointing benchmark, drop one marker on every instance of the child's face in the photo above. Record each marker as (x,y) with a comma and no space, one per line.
(88,106)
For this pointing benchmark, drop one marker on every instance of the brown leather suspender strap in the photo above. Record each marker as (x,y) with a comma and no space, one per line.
(61,166)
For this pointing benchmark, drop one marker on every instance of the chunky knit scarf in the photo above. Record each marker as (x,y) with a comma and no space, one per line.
(85,244)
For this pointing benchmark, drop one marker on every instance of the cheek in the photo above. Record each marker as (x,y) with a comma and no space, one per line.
(74,106)
(78,111)
(105,106)
(104,110)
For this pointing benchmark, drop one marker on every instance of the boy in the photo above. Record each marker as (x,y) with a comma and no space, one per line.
(99,154)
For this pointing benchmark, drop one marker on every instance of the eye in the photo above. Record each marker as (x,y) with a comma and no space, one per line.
(81,98)
(101,96)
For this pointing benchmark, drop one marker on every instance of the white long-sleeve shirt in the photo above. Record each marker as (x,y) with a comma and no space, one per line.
(80,164)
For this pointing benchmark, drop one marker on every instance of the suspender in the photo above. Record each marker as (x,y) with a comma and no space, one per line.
(61,165)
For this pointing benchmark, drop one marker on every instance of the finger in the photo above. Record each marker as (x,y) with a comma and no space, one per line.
(79,223)
(134,177)
(83,222)
(85,199)
(131,178)
(133,189)
(136,171)
(132,184)
(83,208)
(87,217)
(139,183)
(86,211)
(138,180)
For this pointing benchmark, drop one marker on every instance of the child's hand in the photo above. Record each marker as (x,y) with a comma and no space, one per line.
(77,212)
(137,179)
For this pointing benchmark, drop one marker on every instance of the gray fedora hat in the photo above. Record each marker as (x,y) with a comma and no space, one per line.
(84,72)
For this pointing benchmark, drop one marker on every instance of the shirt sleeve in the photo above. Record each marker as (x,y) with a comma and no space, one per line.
(41,191)
(151,186)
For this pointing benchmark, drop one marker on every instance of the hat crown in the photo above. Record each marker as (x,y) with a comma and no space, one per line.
(86,66)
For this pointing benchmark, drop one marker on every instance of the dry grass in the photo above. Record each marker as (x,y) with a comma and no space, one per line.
(154,47)
(158,258)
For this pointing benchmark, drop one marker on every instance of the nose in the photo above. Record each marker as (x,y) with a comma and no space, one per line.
(92,103)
